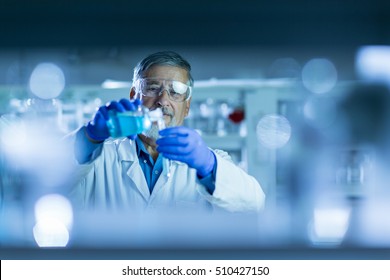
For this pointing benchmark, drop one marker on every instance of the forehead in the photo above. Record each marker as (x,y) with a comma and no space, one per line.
(167,72)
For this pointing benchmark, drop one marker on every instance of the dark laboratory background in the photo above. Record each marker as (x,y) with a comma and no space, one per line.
(296,91)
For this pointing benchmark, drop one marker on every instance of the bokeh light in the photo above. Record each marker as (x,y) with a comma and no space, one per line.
(54,219)
(47,81)
(273,131)
(51,233)
(37,151)
(319,75)
(329,225)
(372,63)
(320,111)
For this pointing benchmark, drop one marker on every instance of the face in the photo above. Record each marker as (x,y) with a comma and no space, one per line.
(174,112)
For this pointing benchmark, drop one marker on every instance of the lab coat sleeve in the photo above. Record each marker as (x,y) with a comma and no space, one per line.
(80,145)
(235,190)
(81,170)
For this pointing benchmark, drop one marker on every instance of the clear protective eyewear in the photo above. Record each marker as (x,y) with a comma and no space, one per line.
(153,87)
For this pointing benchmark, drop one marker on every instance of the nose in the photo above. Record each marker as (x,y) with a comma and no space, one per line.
(163,97)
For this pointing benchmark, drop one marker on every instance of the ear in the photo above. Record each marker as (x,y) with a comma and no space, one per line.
(133,94)
(187,108)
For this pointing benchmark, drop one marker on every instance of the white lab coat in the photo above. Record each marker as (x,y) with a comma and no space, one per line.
(113,179)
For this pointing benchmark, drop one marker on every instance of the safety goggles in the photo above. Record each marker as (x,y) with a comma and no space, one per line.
(153,87)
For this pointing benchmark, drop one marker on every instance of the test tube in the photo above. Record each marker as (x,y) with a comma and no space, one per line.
(156,117)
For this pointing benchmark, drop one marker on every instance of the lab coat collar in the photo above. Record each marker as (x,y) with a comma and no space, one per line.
(127,150)
(140,147)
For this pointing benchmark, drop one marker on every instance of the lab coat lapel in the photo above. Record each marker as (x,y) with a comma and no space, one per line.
(136,175)
(128,156)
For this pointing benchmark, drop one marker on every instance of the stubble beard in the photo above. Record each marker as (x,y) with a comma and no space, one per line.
(153,131)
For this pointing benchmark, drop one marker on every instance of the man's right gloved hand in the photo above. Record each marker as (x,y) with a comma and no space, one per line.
(96,129)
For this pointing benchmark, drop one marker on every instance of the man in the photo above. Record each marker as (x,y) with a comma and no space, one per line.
(126,173)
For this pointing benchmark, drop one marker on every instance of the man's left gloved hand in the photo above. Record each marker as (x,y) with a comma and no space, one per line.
(186,145)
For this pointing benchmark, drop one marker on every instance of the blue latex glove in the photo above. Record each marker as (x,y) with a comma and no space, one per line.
(186,145)
(97,129)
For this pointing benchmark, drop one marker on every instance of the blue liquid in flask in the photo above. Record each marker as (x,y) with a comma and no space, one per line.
(126,124)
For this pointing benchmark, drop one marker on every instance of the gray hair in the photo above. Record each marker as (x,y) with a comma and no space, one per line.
(168,58)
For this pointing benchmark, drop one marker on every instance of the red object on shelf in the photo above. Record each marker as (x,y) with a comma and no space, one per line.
(237,115)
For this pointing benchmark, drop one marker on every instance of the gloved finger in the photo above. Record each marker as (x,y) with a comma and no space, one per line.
(99,119)
(132,137)
(174,141)
(97,129)
(137,102)
(191,138)
(177,150)
(116,106)
(175,130)
(103,111)
(127,104)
